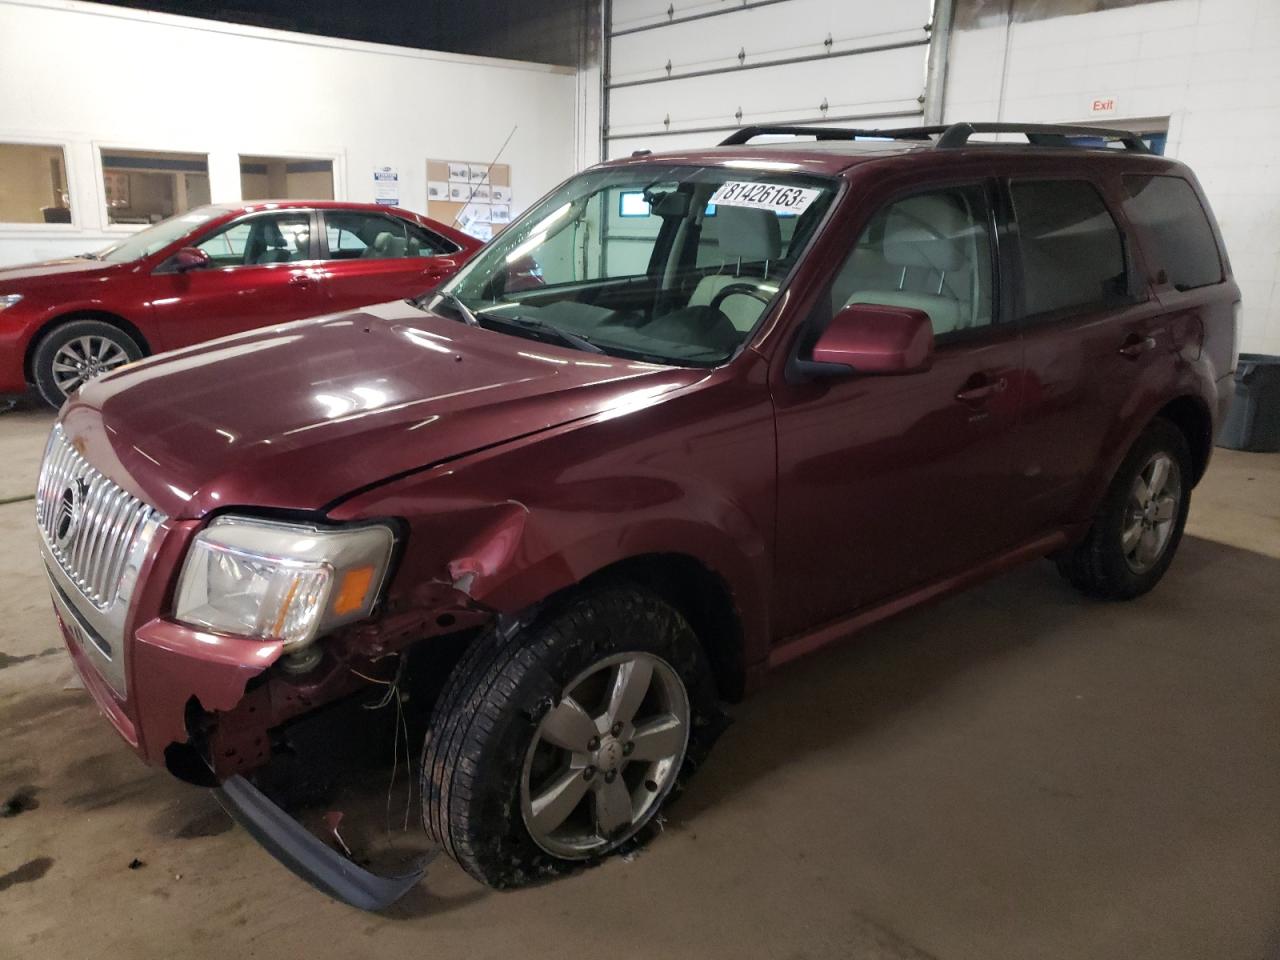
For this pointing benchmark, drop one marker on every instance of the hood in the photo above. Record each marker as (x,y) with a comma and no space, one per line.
(299,415)
(55,269)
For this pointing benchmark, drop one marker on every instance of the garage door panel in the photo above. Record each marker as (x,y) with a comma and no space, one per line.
(776,32)
(700,140)
(629,14)
(874,83)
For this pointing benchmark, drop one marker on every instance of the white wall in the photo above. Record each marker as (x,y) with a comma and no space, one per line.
(91,76)
(1211,66)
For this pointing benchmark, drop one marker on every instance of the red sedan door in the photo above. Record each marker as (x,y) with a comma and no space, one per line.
(373,257)
(262,271)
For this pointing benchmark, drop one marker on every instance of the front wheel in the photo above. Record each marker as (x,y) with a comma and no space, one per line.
(558,744)
(1137,529)
(74,353)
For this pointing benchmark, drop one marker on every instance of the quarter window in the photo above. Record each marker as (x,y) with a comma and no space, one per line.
(371,236)
(1178,239)
(1072,253)
(929,251)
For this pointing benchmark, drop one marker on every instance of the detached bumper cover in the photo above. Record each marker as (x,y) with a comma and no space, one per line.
(307,856)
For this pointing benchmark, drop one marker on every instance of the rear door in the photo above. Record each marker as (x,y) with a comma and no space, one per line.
(373,257)
(890,482)
(1093,335)
(263,271)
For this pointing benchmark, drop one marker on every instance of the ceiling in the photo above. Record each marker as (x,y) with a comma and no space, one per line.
(545,31)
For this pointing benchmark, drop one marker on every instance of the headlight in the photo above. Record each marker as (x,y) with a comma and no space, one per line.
(281,581)
(7,300)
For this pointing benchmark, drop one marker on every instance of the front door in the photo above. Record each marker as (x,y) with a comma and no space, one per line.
(373,257)
(262,271)
(890,482)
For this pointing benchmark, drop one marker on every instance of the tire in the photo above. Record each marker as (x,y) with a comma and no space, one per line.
(101,346)
(489,733)
(1103,565)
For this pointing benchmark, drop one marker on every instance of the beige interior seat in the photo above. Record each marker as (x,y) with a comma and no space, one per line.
(927,243)
(385,244)
(747,236)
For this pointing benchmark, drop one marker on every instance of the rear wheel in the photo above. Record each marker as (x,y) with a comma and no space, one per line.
(1137,530)
(558,744)
(74,353)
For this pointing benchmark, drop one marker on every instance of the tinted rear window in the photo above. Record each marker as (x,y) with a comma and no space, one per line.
(1178,237)
(1072,254)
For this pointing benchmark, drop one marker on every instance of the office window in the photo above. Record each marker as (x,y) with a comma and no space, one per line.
(285,178)
(147,186)
(33,184)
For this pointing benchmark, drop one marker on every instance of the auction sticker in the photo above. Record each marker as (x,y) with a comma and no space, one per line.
(765,196)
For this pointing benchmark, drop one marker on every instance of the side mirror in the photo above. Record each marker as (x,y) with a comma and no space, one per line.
(868,338)
(190,258)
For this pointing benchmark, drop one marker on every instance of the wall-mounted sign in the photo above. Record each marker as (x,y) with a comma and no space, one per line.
(386,186)
(1102,106)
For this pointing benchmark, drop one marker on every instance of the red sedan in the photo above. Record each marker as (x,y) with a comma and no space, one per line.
(206,273)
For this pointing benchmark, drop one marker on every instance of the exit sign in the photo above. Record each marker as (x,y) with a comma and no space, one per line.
(1102,106)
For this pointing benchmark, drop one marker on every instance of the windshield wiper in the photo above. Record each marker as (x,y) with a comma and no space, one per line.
(452,299)
(567,337)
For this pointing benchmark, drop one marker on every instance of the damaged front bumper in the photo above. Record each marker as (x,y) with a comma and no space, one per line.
(310,858)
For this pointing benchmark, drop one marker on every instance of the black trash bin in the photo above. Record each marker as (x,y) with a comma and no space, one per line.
(1254,420)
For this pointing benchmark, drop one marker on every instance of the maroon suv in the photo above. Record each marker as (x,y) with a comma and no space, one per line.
(763,396)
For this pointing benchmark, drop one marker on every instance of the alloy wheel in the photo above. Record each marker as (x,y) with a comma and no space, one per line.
(80,360)
(605,756)
(1151,512)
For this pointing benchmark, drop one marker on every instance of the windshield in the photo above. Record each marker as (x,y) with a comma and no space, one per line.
(662,262)
(157,237)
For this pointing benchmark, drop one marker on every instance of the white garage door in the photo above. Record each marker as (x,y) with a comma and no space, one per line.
(685,73)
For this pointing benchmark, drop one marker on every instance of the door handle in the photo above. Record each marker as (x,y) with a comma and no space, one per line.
(1136,346)
(988,388)
(303,280)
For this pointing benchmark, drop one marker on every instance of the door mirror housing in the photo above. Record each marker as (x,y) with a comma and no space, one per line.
(189,258)
(867,338)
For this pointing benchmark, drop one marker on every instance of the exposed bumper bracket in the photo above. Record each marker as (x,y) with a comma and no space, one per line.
(309,857)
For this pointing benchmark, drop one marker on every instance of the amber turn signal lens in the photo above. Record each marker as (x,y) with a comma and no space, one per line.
(352,590)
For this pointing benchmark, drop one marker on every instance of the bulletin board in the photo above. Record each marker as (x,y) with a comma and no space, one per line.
(474,197)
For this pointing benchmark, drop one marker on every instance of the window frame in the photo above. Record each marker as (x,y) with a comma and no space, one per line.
(1135,290)
(323,252)
(336,169)
(14,227)
(194,240)
(100,178)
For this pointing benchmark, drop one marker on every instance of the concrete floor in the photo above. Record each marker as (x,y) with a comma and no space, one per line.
(1016,772)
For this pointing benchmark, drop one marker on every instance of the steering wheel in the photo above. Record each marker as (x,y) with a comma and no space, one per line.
(744,289)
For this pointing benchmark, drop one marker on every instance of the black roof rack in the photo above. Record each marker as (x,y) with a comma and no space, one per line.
(949,137)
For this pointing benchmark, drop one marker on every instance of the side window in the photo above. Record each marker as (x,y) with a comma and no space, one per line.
(1072,252)
(1178,238)
(929,251)
(274,238)
(353,235)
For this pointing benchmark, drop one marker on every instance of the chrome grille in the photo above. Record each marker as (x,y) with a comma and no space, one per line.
(91,526)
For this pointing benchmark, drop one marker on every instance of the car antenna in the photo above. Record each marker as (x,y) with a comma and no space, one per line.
(487,171)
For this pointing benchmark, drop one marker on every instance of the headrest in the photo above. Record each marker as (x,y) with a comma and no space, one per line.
(927,232)
(748,234)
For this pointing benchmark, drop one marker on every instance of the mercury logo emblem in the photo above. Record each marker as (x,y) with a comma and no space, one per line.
(67,518)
